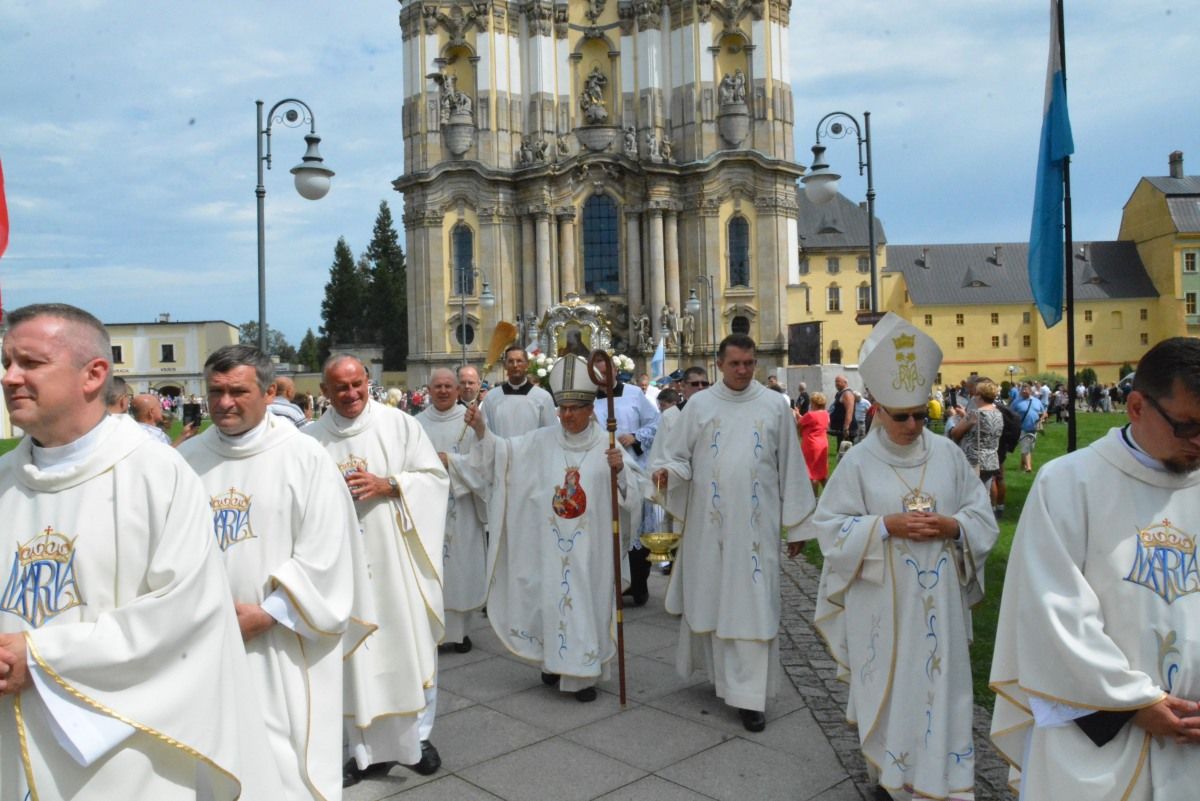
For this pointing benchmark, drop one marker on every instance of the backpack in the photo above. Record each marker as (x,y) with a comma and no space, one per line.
(1011,432)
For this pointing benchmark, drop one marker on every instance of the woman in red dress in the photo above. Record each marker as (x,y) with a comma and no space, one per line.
(813,441)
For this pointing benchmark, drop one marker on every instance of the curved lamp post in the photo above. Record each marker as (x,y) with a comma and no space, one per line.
(821,183)
(486,301)
(693,308)
(312,182)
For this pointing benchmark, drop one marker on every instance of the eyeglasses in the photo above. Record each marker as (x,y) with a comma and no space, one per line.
(698,384)
(902,417)
(1182,429)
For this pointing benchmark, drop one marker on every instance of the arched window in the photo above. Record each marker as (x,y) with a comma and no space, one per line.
(462,250)
(601,246)
(739,252)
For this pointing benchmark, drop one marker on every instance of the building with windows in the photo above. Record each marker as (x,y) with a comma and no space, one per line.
(167,356)
(628,152)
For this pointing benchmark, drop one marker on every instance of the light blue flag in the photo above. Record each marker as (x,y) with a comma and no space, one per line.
(1046,260)
(658,362)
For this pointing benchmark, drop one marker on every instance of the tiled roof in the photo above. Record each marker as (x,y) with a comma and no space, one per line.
(840,223)
(972,274)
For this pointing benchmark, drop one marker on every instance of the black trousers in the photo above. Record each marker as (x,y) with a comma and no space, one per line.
(639,570)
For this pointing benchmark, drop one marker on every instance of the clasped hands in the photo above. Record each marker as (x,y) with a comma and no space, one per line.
(921,526)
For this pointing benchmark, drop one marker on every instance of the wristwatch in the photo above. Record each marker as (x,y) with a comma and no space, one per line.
(394,485)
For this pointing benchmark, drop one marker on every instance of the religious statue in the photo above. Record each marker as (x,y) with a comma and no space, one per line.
(453,102)
(591,101)
(733,88)
(631,142)
(687,333)
(564,147)
(670,326)
(525,152)
(664,148)
(641,328)
(651,145)
(539,150)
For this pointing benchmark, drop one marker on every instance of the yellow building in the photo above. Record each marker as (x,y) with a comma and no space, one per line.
(167,356)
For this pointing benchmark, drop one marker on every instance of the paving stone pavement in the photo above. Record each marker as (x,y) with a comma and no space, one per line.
(503,735)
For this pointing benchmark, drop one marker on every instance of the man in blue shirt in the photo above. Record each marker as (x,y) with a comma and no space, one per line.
(1032,411)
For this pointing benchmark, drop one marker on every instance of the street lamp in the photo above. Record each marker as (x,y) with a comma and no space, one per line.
(693,307)
(312,182)
(486,301)
(820,183)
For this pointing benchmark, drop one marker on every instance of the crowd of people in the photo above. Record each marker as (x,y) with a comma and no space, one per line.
(171,610)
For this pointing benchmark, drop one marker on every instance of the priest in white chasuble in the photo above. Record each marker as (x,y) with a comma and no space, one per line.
(464,551)
(1096,667)
(905,527)
(733,472)
(400,490)
(284,523)
(122,672)
(550,558)
(519,405)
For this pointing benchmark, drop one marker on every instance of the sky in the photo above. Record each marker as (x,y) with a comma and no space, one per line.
(128,135)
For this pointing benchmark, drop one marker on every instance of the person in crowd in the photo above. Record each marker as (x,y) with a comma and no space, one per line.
(124,526)
(841,415)
(519,405)
(905,528)
(1032,414)
(732,469)
(978,434)
(464,579)
(1095,668)
(118,398)
(552,594)
(283,401)
(400,491)
(814,441)
(285,527)
(469,385)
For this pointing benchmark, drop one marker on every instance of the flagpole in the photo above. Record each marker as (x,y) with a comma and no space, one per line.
(1068,253)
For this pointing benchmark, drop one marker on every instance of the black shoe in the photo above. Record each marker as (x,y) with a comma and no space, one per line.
(351,775)
(430,760)
(752,719)
(627,593)
(639,599)
(882,794)
(549,679)
(464,646)
(586,695)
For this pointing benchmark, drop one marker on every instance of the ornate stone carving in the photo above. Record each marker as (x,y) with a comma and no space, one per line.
(595,8)
(630,142)
(626,16)
(458,23)
(531,151)
(561,21)
(733,88)
(539,13)
(704,9)
(591,99)
(649,14)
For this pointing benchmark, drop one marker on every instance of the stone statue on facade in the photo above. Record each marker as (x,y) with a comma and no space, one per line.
(564,147)
(453,102)
(670,326)
(591,101)
(664,148)
(631,142)
(687,333)
(652,145)
(641,334)
(733,88)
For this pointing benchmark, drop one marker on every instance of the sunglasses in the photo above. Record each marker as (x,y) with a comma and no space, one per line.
(1181,429)
(698,384)
(902,417)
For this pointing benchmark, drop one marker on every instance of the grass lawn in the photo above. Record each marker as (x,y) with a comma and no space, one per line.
(1050,445)
(7,445)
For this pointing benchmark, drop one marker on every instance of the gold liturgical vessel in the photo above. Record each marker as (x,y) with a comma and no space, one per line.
(661,545)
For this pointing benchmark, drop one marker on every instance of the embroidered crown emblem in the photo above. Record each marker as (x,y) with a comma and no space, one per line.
(905,341)
(352,464)
(1164,561)
(49,546)
(1167,536)
(907,376)
(231,501)
(42,582)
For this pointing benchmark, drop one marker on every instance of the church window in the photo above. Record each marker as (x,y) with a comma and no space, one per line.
(739,252)
(601,246)
(833,299)
(462,250)
(464,334)
(864,298)
(740,325)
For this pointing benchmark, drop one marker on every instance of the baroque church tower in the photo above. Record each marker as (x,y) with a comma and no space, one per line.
(630,152)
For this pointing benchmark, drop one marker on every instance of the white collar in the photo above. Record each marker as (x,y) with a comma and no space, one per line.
(61,458)
(247,438)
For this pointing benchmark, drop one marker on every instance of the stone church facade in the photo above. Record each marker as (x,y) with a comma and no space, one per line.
(630,153)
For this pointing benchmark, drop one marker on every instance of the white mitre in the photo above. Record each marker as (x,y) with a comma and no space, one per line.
(569,381)
(898,363)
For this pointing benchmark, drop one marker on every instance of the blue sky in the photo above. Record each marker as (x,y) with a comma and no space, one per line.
(127,132)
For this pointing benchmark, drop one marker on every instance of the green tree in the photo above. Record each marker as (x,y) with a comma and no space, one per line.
(342,310)
(277,344)
(309,352)
(387,305)
(1087,376)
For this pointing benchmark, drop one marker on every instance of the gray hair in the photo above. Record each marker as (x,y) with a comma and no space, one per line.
(230,357)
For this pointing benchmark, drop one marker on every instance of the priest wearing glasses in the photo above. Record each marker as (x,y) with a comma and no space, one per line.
(905,527)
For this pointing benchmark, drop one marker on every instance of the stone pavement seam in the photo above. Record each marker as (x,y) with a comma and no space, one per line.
(813,673)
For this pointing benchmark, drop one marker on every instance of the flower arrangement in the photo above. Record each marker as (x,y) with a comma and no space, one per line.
(539,369)
(622,363)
